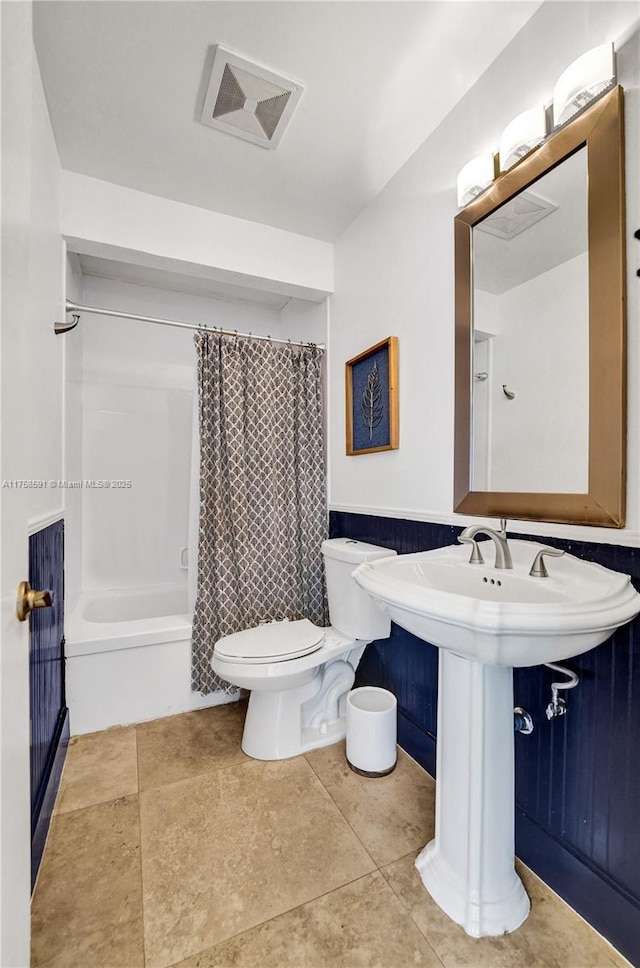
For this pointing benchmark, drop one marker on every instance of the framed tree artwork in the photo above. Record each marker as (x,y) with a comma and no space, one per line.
(372,399)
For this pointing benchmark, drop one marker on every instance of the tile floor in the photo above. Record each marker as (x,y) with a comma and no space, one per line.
(170,847)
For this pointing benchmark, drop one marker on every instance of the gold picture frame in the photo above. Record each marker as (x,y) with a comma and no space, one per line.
(372,419)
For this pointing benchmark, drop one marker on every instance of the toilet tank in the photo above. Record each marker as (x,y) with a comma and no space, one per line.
(351,610)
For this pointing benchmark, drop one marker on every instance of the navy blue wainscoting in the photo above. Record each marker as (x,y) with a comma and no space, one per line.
(48,708)
(577,777)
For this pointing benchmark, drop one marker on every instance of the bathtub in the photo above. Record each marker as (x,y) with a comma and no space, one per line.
(128,657)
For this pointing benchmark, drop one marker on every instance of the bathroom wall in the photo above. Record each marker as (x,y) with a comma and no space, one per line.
(138,383)
(304,320)
(394,272)
(32,260)
(102,219)
(577,790)
(31,387)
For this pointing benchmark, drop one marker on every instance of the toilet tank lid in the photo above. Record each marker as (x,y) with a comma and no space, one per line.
(348,549)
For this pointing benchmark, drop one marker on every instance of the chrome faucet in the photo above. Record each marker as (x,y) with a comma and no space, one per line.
(499,538)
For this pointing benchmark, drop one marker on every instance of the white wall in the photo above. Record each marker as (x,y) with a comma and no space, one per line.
(44,301)
(137,408)
(102,219)
(540,439)
(394,272)
(31,412)
(303,320)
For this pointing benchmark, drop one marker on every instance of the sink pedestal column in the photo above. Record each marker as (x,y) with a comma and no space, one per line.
(469,867)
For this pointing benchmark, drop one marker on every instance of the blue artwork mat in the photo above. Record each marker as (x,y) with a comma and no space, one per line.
(370,401)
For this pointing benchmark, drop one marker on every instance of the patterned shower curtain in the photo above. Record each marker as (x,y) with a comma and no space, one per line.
(262,491)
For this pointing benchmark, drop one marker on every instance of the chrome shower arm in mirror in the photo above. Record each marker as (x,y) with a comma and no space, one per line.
(589,150)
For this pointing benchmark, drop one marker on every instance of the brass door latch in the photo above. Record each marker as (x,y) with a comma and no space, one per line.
(29,598)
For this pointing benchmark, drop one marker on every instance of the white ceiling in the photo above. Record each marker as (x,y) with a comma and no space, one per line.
(125,81)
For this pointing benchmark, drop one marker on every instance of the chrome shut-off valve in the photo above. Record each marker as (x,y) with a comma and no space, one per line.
(558,706)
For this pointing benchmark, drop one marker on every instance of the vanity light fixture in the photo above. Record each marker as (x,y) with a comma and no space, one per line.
(521,136)
(474,178)
(582,82)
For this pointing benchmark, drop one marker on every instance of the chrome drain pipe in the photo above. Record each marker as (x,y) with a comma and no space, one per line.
(522,721)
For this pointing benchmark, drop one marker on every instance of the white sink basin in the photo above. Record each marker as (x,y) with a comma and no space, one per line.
(498,616)
(485,621)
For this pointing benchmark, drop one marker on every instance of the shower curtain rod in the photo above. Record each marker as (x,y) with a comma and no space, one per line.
(72,307)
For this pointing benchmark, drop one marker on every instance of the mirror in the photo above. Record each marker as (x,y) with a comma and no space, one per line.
(530,294)
(540,349)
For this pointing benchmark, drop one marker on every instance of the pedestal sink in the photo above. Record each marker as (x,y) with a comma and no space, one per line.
(486,621)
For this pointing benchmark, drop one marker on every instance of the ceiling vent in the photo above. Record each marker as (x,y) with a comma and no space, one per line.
(515,216)
(248,101)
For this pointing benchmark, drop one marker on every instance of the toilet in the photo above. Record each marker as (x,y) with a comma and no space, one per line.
(298,673)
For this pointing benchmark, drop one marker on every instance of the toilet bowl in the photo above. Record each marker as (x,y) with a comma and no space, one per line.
(299,674)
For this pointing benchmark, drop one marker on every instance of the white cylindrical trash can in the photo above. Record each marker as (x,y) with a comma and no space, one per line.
(372,728)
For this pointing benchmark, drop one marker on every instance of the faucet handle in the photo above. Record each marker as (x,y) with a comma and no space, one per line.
(476,555)
(538,568)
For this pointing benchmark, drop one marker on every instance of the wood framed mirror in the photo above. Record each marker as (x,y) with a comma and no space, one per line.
(540,351)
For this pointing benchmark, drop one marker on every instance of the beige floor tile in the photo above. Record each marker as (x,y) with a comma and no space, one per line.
(361,925)
(553,936)
(258,864)
(87,908)
(391,814)
(179,747)
(99,767)
(555,918)
(227,850)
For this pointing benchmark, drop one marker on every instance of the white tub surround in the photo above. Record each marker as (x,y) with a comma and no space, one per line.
(129,658)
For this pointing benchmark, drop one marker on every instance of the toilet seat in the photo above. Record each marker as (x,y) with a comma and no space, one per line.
(273,642)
